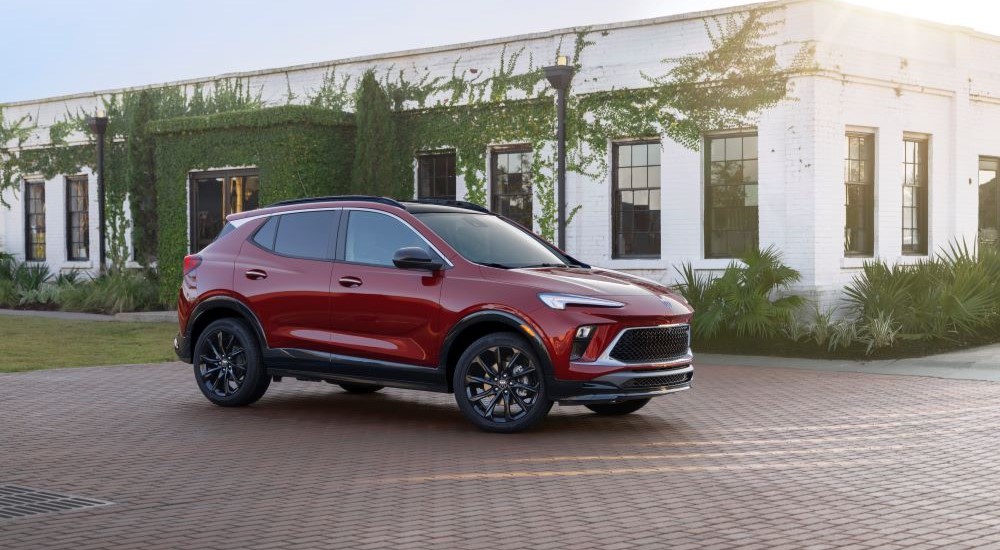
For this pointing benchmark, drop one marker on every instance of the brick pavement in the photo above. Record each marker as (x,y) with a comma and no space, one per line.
(751,458)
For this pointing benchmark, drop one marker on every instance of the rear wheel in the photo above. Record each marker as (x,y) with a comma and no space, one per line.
(355,387)
(228,365)
(499,384)
(619,409)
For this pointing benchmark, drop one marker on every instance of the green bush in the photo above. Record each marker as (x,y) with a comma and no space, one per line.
(112,293)
(952,297)
(745,300)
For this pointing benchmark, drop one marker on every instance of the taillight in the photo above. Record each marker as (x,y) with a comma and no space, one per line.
(191,263)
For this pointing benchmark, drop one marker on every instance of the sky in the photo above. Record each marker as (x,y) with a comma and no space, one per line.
(56,47)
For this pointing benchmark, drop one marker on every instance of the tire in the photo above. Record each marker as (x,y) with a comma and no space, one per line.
(355,387)
(228,365)
(519,384)
(619,409)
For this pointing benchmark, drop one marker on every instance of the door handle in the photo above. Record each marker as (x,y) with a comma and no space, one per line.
(254,274)
(350,282)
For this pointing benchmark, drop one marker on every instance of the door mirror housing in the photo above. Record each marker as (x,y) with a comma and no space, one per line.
(414,257)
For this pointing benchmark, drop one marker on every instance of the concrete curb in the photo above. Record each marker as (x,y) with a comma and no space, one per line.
(982,363)
(136,317)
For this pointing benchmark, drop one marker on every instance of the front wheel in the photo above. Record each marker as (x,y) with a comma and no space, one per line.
(619,409)
(499,384)
(228,365)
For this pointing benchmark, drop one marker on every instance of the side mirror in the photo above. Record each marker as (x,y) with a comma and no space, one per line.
(414,257)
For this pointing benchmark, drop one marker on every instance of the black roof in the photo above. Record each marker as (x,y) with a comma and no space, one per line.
(414,206)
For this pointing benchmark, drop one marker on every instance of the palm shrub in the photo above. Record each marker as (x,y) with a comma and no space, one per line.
(114,292)
(949,298)
(745,300)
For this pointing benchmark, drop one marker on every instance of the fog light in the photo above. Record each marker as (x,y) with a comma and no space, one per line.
(580,341)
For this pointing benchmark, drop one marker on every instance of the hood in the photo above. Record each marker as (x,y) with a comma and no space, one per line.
(591,282)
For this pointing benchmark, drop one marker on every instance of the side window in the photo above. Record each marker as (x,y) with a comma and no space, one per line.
(305,234)
(373,238)
(264,236)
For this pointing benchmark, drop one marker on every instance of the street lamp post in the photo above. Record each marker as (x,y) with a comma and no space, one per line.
(99,125)
(559,76)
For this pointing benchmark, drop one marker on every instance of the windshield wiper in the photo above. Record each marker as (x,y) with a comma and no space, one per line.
(497,265)
(547,265)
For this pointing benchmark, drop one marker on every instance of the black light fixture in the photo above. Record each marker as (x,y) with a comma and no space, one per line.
(560,75)
(99,125)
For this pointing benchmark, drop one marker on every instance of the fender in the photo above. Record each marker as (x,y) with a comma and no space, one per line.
(228,303)
(519,325)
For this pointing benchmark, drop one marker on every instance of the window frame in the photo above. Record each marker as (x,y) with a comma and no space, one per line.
(331,245)
(340,254)
(707,187)
(921,188)
(225,175)
(433,156)
(495,186)
(868,247)
(996,202)
(70,181)
(30,243)
(616,201)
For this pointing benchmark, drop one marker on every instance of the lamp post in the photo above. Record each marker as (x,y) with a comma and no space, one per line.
(98,125)
(559,76)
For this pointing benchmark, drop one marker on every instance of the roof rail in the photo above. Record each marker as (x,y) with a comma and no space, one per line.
(336,198)
(456,203)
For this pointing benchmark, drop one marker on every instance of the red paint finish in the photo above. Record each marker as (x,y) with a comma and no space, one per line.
(404,316)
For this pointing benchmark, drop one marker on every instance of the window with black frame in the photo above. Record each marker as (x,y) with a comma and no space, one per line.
(915,199)
(989,201)
(34,221)
(436,175)
(215,195)
(859,183)
(636,199)
(731,215)
(77,219)
(510,169)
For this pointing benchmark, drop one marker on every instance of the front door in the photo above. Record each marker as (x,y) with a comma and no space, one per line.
(215,195)
(382,312)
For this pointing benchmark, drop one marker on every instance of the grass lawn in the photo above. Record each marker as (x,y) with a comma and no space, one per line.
(31,343)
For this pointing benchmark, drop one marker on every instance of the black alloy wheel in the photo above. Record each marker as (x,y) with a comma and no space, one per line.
(499,384)
(228,364)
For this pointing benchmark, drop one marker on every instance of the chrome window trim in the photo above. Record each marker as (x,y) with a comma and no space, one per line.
(241,221)
(605,358)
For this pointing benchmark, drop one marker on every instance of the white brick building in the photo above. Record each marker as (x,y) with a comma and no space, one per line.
(886,84)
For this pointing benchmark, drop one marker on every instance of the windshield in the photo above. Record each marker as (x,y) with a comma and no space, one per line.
(488,240)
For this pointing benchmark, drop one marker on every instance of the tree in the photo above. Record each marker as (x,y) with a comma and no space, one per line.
(375,148)
(12,137)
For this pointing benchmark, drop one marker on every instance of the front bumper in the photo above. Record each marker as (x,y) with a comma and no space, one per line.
(623,385)
(182,347)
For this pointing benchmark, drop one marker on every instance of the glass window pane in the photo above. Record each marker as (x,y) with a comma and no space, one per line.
(653,151)
(734,148)
(653,176)
(305,235)
(718,149)
(624,178)
(624,155)
(750,171)
(639,155)
(750,147)
(265,235)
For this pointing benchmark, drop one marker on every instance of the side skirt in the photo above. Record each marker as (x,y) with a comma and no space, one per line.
(341,368)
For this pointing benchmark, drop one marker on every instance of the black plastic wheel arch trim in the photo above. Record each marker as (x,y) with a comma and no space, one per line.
(506,318)
(230,304)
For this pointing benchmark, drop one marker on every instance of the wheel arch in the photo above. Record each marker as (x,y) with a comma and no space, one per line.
(479,324)
(223,307)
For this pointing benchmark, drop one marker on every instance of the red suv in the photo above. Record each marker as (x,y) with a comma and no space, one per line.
(368,292)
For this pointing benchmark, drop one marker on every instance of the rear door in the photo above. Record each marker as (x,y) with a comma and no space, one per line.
(284,272)
(381,312)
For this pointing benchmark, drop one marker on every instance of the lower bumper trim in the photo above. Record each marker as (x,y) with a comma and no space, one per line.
(623,386)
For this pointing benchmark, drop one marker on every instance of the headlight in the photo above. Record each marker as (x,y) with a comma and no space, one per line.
(560,301)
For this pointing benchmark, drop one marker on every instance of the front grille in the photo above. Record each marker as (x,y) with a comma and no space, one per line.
(658,381)
(652,345)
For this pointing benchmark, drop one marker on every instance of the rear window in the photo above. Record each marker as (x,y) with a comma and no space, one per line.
(305,234)
(265,235)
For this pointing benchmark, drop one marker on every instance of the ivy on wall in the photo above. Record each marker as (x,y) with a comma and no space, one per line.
(299,151)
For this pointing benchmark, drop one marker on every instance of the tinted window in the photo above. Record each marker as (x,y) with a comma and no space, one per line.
(305,235)
(373,238)
(265,235)
(489,240)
